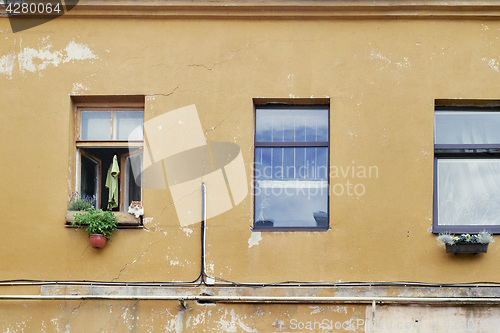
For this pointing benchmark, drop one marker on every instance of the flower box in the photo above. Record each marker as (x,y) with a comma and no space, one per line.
(474,248)
(125,220)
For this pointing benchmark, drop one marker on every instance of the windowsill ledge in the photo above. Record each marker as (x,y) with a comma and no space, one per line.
(125,220)
(257,229)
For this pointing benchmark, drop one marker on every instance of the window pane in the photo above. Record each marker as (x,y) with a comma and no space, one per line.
(290,189)
(300,163)
(277,163)
(322,163)
(291,125)
(468,191)
(89,182)
(124,123)
(291,163)
(95,125)
(299,203)
(467,127)
(133,178)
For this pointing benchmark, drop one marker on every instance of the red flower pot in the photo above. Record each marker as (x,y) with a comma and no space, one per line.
(97,241)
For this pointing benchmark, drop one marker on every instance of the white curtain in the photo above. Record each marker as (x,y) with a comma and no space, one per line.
(468,191)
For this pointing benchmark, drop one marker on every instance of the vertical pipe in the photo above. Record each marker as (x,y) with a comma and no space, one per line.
(203,232)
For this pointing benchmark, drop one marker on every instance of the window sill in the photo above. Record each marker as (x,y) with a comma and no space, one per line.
(125,220)
(465,229)
(290,229)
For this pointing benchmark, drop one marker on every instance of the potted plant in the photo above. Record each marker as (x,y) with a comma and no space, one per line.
(466,243)
(98,224)
(80,201)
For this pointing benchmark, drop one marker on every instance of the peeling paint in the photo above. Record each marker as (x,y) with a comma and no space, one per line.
(187,231)
(178,321)
(78,87)
(34,60)
(493,64)
(377,55)
(7,64)
(254,239)
(234,323)
(210,269)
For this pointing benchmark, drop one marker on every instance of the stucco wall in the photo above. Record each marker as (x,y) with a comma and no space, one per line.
(381,76)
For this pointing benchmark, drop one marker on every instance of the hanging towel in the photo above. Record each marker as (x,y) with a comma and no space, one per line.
(112,183)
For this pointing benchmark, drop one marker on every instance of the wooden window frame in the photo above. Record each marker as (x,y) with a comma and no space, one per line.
(125,220)
(79,173)
(122,179)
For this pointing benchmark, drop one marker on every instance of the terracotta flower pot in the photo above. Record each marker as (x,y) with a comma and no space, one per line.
(97,241)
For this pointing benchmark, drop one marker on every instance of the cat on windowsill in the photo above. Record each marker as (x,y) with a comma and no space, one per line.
(136,208)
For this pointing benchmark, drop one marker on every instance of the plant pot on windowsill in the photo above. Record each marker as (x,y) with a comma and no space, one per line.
(474,248)
(98,224)
(466,243)
(97,241)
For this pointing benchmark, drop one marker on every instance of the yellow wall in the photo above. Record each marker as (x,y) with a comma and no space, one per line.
(381,75)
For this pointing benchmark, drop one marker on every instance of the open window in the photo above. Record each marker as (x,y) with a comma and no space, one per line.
(131,181)
(109,146)
(90,169)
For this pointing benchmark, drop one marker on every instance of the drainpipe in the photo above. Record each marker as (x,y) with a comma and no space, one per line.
(203,232)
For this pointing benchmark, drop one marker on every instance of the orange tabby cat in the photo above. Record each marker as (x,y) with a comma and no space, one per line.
(136,208)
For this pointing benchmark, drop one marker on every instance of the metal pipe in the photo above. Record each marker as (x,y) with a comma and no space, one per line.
(267,299)
(203,226)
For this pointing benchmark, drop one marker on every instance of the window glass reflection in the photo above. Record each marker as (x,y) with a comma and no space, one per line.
(95,125)
(468,191)
(291,125)
(291,186)
(467,127)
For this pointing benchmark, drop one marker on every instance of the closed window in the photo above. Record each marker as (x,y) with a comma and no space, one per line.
(291,186)
(109,145)
(467,169)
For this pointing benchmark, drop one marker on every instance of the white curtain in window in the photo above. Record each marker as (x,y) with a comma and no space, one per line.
(468,191)
(467,127)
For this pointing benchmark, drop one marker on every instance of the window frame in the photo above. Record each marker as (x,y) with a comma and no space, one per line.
(123,172)
(323,105)
(444,151)
(79,173)
(79,145)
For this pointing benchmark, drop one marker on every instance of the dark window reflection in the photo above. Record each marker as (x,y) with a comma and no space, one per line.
(291,183)
(290,125)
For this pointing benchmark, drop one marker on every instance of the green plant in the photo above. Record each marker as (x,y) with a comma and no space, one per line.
(81,201)
(483,237)
(96,222)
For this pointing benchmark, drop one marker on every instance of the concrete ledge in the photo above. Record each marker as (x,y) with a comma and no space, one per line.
(427,294)
(285,9)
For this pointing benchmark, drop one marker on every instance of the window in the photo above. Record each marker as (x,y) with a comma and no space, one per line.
(291,183)
(109,145)
(467,169)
